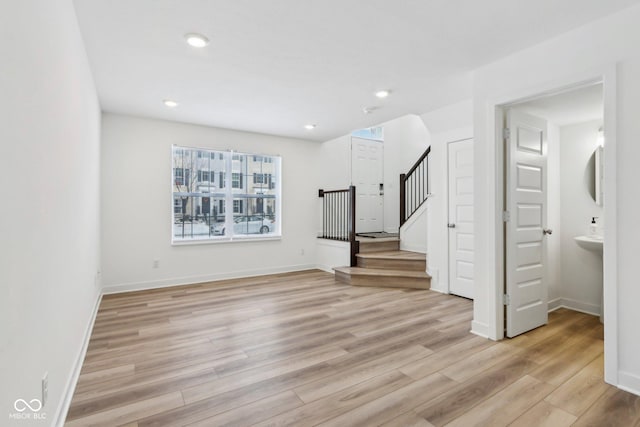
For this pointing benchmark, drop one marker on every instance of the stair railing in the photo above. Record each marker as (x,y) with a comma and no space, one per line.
(339,217)
(414,187)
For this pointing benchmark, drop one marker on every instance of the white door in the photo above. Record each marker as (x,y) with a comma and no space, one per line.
(366,175)
(526,202)
(460,224)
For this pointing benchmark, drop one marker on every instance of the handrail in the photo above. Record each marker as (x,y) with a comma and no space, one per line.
(339,217)
(416,164)
(414,187)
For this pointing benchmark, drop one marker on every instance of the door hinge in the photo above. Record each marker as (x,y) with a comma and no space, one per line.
(506,300)
(506,216)
(506,133)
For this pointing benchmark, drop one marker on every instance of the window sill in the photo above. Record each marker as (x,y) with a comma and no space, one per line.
(222,241)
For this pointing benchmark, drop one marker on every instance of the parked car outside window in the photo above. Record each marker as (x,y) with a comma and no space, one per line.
(253,224)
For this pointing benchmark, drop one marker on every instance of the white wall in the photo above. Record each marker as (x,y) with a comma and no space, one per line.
(405,139)
(50,121)
(136,206)
(331,254)
(335,173)
(447,124)
(577,55)
(413,233)
(581,269)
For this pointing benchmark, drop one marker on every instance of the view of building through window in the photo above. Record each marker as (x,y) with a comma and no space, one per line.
(375,133)
(201,192)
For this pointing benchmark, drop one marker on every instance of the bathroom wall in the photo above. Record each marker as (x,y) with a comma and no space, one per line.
(581,270)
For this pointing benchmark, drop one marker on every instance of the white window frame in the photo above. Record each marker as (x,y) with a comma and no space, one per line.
(228,194)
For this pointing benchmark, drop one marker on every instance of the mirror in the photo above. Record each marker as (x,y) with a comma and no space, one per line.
(594,176)
(599,169)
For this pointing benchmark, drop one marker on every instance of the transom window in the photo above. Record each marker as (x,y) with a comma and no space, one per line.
(200,193)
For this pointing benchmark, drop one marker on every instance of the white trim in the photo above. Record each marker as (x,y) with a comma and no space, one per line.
(606,74)
(236,239)
(325,268)
(480,329)
(72,381)
(554,304)
(440,291)
(629,382)
(190,280)
(574,305)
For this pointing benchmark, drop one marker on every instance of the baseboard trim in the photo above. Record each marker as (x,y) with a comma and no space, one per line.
(440,291)
(72,381)
(554,304)
(190,280)
(629,382)
(574,305)
(480,329)
(325,268)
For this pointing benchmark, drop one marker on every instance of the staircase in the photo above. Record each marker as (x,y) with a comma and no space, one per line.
(378,261)
(381,263)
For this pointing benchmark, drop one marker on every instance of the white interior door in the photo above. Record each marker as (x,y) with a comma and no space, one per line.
(460,224)
(526,217)
(367,176)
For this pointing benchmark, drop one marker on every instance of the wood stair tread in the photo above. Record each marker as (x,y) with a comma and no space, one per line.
(381,273)
(394,255)
(377,239)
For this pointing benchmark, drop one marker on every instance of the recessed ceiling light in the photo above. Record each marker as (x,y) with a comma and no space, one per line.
(309,127)
(383,93)
(196,40)
(170,103)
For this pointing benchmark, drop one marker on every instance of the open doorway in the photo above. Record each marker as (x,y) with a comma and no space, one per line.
(553,224)
(573,140)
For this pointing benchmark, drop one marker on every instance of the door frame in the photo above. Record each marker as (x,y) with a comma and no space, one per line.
(495,109)
(447,206)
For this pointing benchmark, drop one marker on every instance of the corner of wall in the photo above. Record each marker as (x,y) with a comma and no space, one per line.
(72,380)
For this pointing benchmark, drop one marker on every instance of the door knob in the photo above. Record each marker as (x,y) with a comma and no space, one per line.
(547,231)
(451,225)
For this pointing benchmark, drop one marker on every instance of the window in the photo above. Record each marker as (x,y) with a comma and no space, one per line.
(236,180)
(376,133)
(261,178)
(181,176)
(200,194)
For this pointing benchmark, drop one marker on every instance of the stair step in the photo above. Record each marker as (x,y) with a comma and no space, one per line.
(359,276)
(394,260)
(368,245)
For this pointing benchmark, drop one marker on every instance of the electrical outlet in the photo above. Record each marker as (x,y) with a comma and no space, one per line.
(301,251)
(156,263)
(45,388)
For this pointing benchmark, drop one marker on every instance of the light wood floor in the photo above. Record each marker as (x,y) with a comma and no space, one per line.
(298,349)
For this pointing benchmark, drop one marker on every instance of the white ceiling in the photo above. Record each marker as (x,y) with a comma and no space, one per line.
(274,66)
(567,108)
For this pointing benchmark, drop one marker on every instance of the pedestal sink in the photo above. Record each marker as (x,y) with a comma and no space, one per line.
(594,244)
(590,243)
